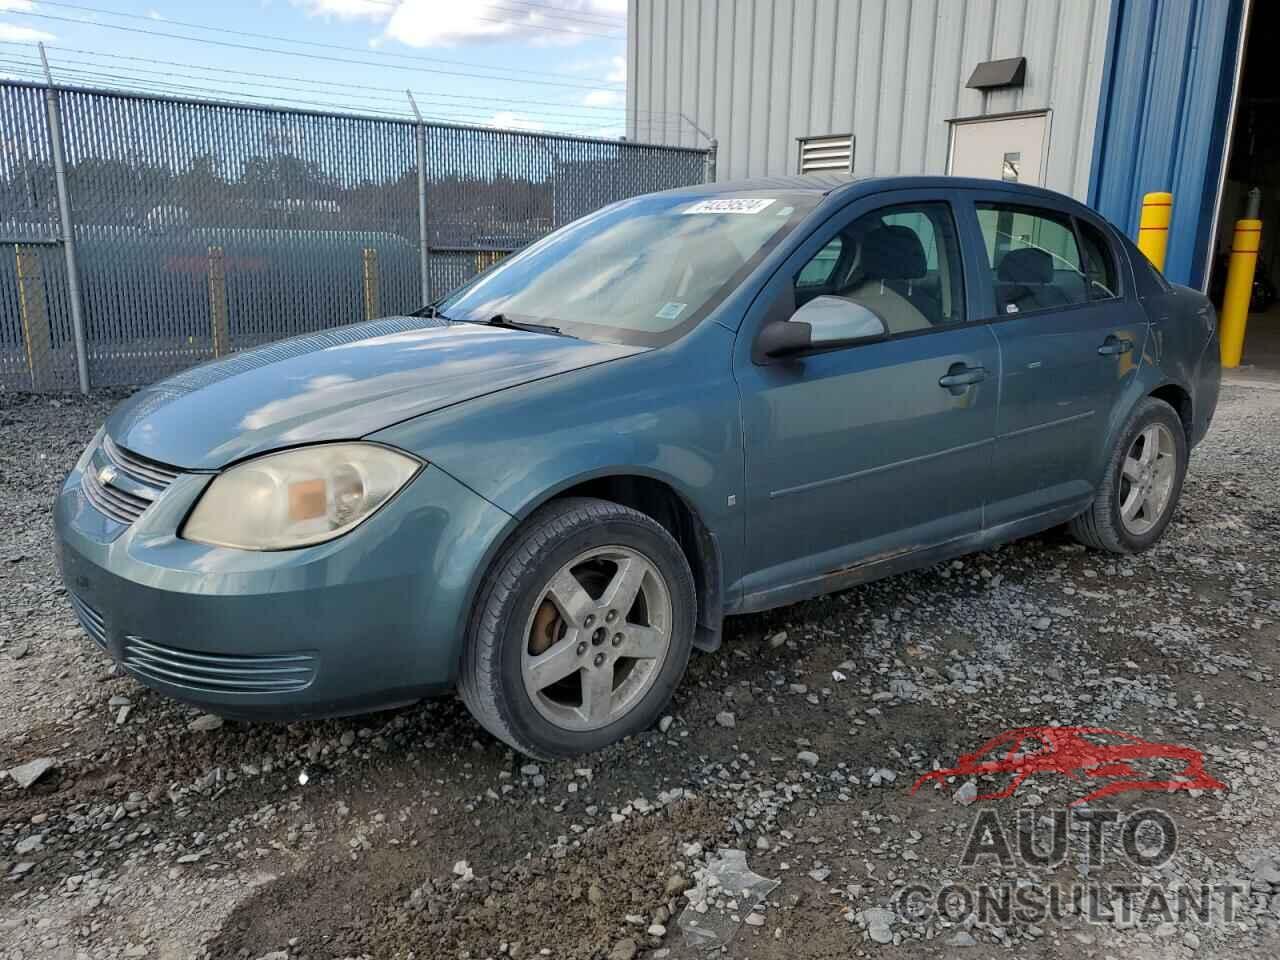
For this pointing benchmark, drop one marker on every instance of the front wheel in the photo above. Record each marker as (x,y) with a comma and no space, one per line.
(582,630)
(1141,485)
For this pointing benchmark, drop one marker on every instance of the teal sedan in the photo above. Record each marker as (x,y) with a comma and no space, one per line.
(545,490)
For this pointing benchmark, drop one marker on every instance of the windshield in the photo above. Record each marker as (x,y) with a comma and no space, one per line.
(642,272)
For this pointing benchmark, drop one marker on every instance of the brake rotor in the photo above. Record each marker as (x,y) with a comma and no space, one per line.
(547,627)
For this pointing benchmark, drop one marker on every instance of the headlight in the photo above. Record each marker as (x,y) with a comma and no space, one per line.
(299,497)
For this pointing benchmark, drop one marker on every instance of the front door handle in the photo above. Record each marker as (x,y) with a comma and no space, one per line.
(962,376)
(1114,345)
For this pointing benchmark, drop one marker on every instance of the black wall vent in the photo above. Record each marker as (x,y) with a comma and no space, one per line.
(998,73)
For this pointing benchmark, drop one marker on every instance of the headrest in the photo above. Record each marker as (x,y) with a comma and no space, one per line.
(893,253)
(1026,265)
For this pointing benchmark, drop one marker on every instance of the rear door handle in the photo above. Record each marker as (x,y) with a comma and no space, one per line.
(961,376)
(1114,345)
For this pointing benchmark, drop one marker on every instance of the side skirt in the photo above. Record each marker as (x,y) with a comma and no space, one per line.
(912,558)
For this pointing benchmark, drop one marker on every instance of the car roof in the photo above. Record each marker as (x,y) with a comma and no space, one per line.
(843,186)
(809,183)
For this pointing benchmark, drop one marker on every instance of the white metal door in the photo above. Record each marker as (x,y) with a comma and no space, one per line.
(1008,148)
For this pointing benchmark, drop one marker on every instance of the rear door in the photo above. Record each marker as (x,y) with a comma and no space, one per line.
(1071,334)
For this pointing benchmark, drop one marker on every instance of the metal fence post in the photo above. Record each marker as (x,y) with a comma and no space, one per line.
(218,302)
(53,114)
(709,164)
(424,254)
(369,263)
(33,310)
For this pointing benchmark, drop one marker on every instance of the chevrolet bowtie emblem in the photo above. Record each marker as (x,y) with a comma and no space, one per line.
(106,475)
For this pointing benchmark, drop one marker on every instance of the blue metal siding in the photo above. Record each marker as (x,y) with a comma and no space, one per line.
(1166,92)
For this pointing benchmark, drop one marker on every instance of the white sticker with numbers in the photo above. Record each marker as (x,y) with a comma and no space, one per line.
(732,205)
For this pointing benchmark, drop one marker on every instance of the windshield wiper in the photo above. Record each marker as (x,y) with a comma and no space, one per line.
(500,320)
(430,312)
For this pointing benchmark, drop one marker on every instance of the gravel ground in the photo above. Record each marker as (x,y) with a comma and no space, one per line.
(156,832)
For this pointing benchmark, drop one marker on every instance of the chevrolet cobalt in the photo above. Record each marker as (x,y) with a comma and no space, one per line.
(548,488)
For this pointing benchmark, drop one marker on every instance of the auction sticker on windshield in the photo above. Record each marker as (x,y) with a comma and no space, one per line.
(732,205)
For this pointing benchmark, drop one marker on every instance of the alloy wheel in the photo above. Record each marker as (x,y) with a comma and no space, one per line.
(597,638)
(1147,477)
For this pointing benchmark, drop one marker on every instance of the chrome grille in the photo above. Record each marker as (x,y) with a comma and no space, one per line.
(140,468)
(218,673)
(90,619)
(149,480)
(115,503)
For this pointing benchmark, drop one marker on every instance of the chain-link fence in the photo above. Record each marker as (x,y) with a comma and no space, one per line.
(203,228)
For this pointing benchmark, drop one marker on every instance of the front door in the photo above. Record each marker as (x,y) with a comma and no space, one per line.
(867,451)
(1071,337)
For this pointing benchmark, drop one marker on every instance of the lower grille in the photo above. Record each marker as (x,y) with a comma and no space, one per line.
(90,619)
(216,672)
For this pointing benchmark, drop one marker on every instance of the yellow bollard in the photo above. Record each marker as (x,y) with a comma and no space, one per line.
(1153,228)
(1235,303)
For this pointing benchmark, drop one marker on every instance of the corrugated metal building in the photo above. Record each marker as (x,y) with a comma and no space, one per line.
(1101,99)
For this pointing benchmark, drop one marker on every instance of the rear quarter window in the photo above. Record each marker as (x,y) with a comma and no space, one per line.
(1099,262)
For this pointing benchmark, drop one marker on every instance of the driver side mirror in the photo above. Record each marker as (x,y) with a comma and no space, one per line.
(822,322)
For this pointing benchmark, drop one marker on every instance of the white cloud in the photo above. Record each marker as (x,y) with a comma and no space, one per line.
(17,34)
(17,6)
(346,9)
(607,69)
(513,121)
(452,23)
(604,98)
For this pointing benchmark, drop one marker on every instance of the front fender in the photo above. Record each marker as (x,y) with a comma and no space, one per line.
(670,415)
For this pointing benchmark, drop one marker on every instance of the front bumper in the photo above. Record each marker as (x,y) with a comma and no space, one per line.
(371,620)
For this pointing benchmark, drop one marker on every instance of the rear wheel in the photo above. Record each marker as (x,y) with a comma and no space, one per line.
(582,630)
(1141,485)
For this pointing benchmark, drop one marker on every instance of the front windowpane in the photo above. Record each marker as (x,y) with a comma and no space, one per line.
(901,263)
(818,270)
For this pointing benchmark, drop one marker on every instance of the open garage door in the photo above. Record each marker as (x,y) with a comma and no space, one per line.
(1251,179)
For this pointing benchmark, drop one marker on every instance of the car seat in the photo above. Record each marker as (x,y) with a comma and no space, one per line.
(892,260)
(1025,281)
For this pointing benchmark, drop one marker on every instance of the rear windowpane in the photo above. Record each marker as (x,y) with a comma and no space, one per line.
(1034,260)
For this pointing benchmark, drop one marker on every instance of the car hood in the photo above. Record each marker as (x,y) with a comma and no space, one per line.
(337,385)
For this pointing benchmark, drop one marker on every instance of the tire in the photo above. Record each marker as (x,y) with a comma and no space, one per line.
(524,615)
(1103,526)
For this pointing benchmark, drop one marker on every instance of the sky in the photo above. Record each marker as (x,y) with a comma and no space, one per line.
(556,65)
